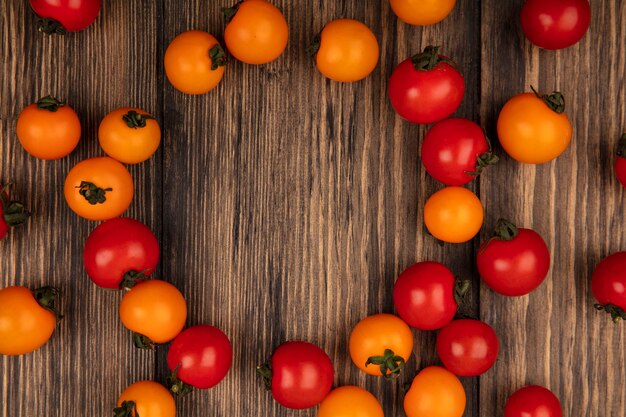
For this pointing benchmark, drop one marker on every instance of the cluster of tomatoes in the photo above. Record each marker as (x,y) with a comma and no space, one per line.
(122,253)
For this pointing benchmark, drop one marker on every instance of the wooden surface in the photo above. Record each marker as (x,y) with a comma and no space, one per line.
(287,204)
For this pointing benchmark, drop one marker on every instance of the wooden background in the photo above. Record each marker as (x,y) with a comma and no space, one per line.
(287,204)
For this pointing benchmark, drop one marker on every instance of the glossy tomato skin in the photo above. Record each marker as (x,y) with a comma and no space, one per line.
(453,215)
(150,399)
(194,62)
(435,392)
(422,12)
(514,267)
(25,324)
(425,96)
(424,296)
(533,401)
(350,401)
(467,347)
(129,135)
(348,51)
(202,356)
(302,375)
(555,24)
(608,284)
(620,161)
(119,246)
(257,33)
(74,15)
(451,148)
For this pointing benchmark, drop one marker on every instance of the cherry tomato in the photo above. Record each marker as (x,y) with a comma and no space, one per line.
(155,311)
(534,129)
(467,347)
(453,215)
(350,401)
(194,62)
(533,401)
(381,344)
(299,375)
(555,24)
(48,129)
(99,188)
(608,284)
(59,16)
(422,12)
(129,135)
(435,392)
(120,251)
(425,295)
(620,161)
(346,50)
(426,88)
(27,319)
(145,399)
(455,151)
(256,32)
(515,261)
(12,213)
(199,357)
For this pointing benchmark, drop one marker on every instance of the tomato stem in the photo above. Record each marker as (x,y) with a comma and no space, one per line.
(94,195)
(142,342)
(230,12)
(13,212)
(46,297)
(218,56)
(429,58)
(461,289)
(127,409)
(178,387)
(621,146)
(556,100)
(265,373)
(132,277)
(314,46)
(50,26)
(505,230)
(390,364)
(52,104)
(135,120)
(616,312)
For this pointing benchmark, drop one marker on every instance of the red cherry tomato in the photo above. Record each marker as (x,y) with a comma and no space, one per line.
(620,161)
(515,261)
(120,251)
(300,375)
(533,401)
(467,347)
(455,151)
(199,357)
(608,284)
(424,295)
(555,24)
(65,15)
(12,213)
(426,88)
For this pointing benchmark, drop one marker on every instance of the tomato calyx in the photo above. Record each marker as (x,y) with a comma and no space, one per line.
(314,46)
(390,364)
(131,278)
(428,59)
(127,409)
(621,146)
(230,12)
(13,212)
(136,120)
(178,387)
(93,194)
(217,56)
(461,288)
(52,104)
(265,373)
(616,312)
(505,230)
(555,101)
(142,342)
(46,297)
(50,26)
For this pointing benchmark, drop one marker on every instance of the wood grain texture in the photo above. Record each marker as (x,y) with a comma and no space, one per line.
(287,204)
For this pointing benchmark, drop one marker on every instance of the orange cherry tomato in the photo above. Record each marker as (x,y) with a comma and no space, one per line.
(48,129)
(99,188)
(256,32)
(145,399)
(194,62)
(346,50)
(435,392)
(422,12)
(350,401)
(155,310)
(453,215)
(129,135)
(27,319)
(381,344)
(534,129)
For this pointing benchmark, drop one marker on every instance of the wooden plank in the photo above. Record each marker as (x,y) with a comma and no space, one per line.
(90,358)
(554,337)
